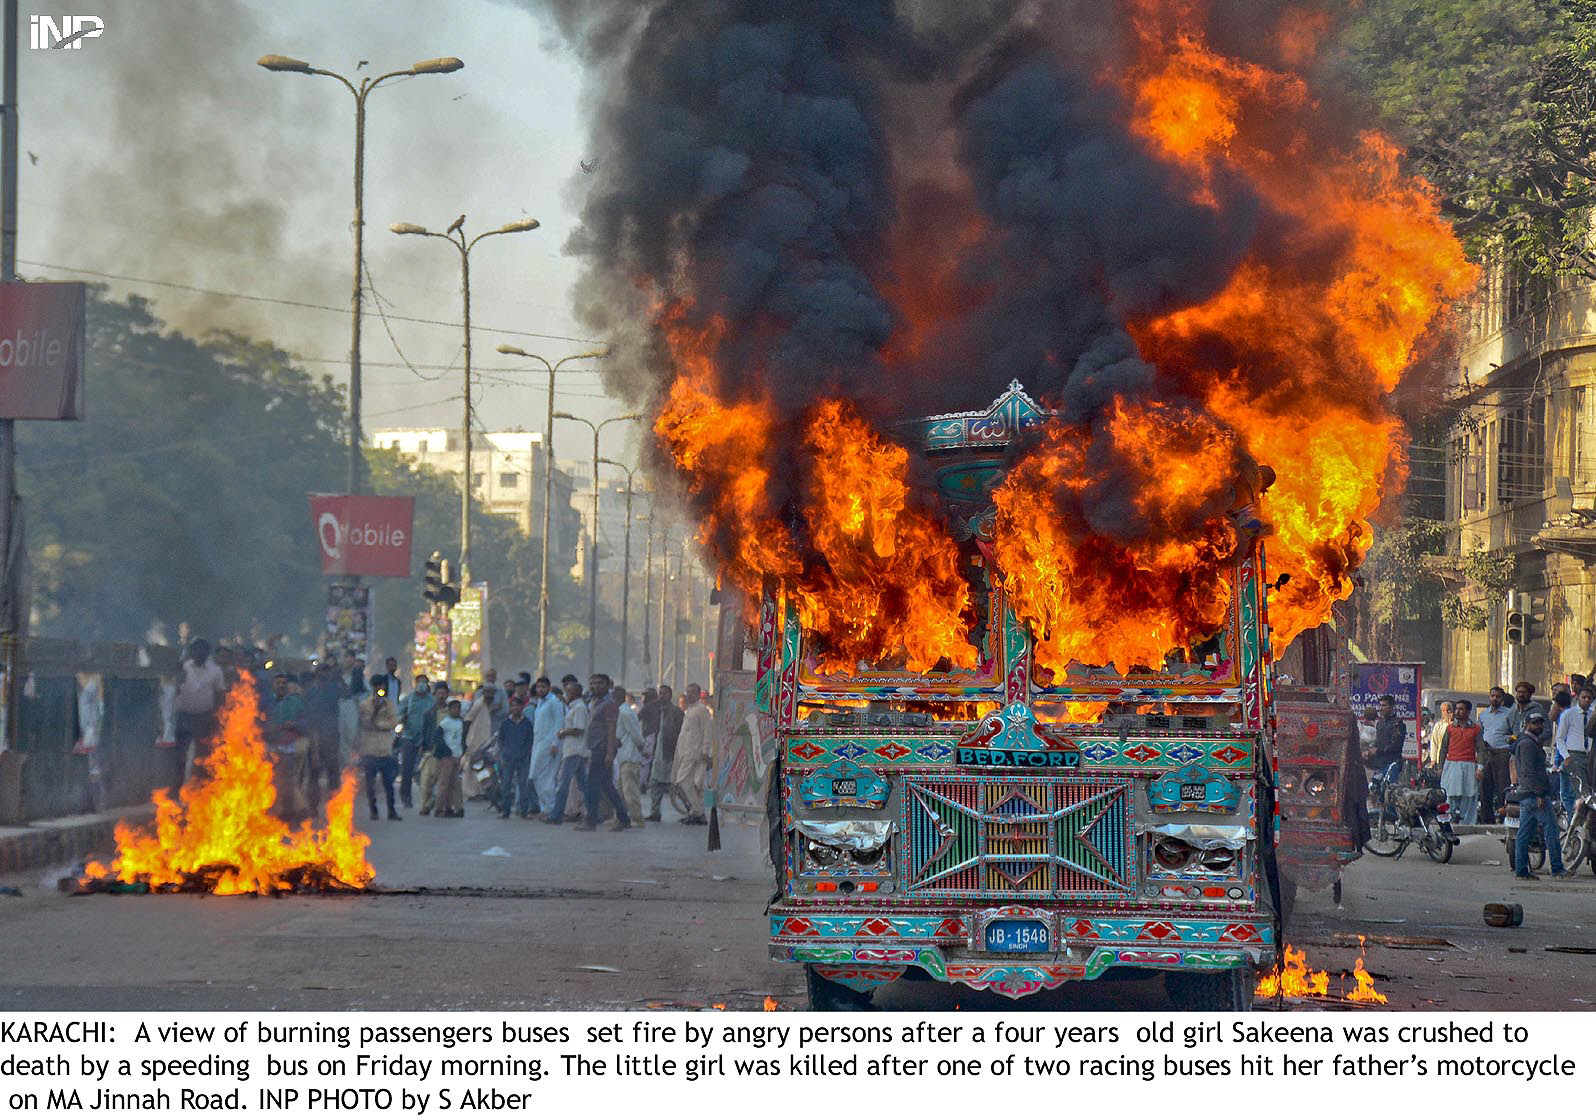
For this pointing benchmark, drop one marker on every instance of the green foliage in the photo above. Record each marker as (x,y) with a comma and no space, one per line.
(1400,584)
(1458,615)
(1495,101)
(182,498)
(1492,572)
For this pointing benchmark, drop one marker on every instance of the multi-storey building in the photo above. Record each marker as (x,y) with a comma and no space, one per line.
(506,467)
(1521,486)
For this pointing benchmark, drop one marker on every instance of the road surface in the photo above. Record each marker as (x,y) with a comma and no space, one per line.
(650,919)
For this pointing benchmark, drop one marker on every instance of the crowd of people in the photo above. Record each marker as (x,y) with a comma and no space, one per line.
(1516,750)
(576,754)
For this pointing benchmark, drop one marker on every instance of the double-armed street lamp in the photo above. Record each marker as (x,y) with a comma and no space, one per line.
(548,486)
(593,569)
(456,236)
(284,65)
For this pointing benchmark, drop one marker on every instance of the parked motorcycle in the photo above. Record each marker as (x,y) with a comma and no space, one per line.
(1407,812)
(1579,835)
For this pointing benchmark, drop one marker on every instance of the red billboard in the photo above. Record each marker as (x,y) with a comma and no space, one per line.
(362,535)
(41,351)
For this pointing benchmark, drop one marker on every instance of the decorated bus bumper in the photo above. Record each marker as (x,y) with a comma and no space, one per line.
(863,951)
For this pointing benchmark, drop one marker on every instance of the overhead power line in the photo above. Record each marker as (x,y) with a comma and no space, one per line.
(296,303)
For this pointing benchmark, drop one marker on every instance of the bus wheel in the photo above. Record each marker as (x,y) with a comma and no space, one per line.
(1230,990)
(828,995)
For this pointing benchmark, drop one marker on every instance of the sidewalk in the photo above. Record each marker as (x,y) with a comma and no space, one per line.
(64,839)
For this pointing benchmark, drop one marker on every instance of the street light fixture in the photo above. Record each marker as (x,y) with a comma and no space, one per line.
(282,64)
(592,607)
(456,236)
(548,485)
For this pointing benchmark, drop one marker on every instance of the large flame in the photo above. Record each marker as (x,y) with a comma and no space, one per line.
(1099,598)
(221,835)
(1341,336)
(1289,365)
(870,571)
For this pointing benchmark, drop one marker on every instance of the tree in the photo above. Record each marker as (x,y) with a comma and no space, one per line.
(1495,101)
(181,494)
(181,497)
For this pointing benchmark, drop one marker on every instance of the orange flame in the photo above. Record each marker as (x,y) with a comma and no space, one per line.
(1288,366)
(1292,978)
(771,1004)
(1342,337)
(223,829)
(1365,991)
(1097,600)
(874,575)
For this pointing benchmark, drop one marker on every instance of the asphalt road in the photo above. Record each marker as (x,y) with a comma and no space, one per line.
(650,919)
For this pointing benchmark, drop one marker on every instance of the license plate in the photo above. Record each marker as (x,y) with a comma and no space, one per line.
(1194,792)
(1444,818)
(1018,935)
(844,787)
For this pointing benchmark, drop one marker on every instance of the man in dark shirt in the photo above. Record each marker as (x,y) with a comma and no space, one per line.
(1390,733)
(323,697)
(1535,811)
(670,730)
(602,745)
(515,760)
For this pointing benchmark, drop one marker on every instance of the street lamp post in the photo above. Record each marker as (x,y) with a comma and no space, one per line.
(456,236)
(593,569)
(626,561)
(282,64)
(648,599)
(548,488)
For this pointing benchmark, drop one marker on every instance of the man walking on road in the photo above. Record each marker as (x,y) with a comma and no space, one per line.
(376,747)
(515,761)
(603,746)
(1569,754)
(629,759)
(548,716)
(323,701)
(670,731)
(573,750)
(1496,726)
(415,721)
(1535,811)
(693,754)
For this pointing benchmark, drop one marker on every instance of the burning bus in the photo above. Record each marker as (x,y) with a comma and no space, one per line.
(1010,828)
(1017,655)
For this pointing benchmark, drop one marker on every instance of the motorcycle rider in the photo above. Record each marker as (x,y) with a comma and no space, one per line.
(1535,810)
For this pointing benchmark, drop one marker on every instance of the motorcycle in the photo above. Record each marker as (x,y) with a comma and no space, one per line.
(484,764)
(1579,835)
(1403,813)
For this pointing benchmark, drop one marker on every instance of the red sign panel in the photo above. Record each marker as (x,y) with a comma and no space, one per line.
(41,351)
(362,535)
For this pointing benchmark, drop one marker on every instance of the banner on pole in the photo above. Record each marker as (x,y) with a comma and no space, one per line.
(41,351)
(1403,682)
(469,626)
(363,535)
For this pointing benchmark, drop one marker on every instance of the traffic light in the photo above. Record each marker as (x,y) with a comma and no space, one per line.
(432,581)
(448,590)
(1517,631)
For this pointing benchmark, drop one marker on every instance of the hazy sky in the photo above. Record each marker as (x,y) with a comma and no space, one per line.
(161,151)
